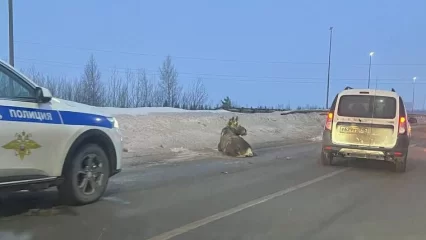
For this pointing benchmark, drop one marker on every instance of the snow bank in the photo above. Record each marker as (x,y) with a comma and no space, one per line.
(152,130)
(148,110)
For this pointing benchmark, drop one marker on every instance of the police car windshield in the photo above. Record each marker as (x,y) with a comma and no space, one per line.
(363,106)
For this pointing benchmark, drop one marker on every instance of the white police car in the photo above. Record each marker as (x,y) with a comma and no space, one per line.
(45,142)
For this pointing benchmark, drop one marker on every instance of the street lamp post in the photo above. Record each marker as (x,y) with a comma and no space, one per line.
(11,47)
(328,73)
(414,85)
(369,69)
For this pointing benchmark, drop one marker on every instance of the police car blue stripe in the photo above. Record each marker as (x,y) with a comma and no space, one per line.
(77,118)
(21,114)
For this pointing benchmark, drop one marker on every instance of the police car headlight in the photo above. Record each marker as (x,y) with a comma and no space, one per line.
(114,121)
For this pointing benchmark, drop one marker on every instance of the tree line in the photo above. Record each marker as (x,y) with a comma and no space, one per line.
(135,89)
(132,90)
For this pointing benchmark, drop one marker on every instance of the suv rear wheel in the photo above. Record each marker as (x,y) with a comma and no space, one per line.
(401,164)
(85,176)
(326,158)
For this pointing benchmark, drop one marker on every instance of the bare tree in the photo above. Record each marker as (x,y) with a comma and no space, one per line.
(196,96)
(114,86)
(129,90)
(92,86)
(124,98)
(158,98)
(69,91)
(35,76)
(169,84)
(80,91)
(54,85)
(143,90)
(135,90)
(123,95)
(60,87)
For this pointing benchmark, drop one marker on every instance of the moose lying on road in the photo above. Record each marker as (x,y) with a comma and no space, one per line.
(231,143)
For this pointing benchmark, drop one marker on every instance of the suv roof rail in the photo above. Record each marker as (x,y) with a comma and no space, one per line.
(346,88)
(393,90)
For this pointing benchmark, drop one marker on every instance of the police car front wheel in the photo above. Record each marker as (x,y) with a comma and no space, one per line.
(85,176)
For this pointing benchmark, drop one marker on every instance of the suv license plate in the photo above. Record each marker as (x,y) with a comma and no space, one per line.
(354,130)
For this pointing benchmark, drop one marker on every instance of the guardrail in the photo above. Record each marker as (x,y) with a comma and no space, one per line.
(306,111)
(421,118)
(266,110)
(251,110)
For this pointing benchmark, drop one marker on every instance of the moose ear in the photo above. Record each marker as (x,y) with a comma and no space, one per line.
(236,119)
(230,122)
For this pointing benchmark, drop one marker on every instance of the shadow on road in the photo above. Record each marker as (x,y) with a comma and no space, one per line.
(43,203)
(365,164)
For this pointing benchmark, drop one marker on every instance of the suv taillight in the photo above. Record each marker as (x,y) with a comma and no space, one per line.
(329,121)
(402,127)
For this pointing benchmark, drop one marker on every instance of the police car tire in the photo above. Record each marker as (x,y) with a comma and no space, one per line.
(69,192)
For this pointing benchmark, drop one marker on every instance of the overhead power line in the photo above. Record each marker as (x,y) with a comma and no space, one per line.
(208,59)
(210,75)
(285,80)
(173,56)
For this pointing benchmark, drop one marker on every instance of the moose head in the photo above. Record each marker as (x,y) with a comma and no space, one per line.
(235,127)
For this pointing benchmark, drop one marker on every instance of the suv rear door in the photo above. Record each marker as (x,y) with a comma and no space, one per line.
(366,120)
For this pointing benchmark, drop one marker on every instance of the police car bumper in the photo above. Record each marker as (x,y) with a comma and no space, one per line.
(119,151)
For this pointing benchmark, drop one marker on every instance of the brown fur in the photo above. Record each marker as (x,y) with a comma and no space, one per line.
(231,143)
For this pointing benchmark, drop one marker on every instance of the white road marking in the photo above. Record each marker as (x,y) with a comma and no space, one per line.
(188,227)
(116,200)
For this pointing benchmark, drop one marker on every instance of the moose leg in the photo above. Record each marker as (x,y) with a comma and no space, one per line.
(248,152)
(244,148)
(231,150)
(219,148)
(245,153)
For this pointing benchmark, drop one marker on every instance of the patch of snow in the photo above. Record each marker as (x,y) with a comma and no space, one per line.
(178,150)
(317,138)
(153,130)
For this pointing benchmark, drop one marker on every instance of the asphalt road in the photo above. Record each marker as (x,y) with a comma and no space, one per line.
(283,193)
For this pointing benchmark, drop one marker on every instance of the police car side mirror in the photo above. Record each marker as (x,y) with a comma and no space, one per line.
(43,95)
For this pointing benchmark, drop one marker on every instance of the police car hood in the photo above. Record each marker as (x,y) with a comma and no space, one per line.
(80,107)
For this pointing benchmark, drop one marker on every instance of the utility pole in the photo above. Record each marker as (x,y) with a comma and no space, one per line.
(377,81)
(369,69)
(414,86)
(328,73)
(11,46)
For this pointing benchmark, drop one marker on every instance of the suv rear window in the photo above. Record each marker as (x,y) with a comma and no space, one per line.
(362,106)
